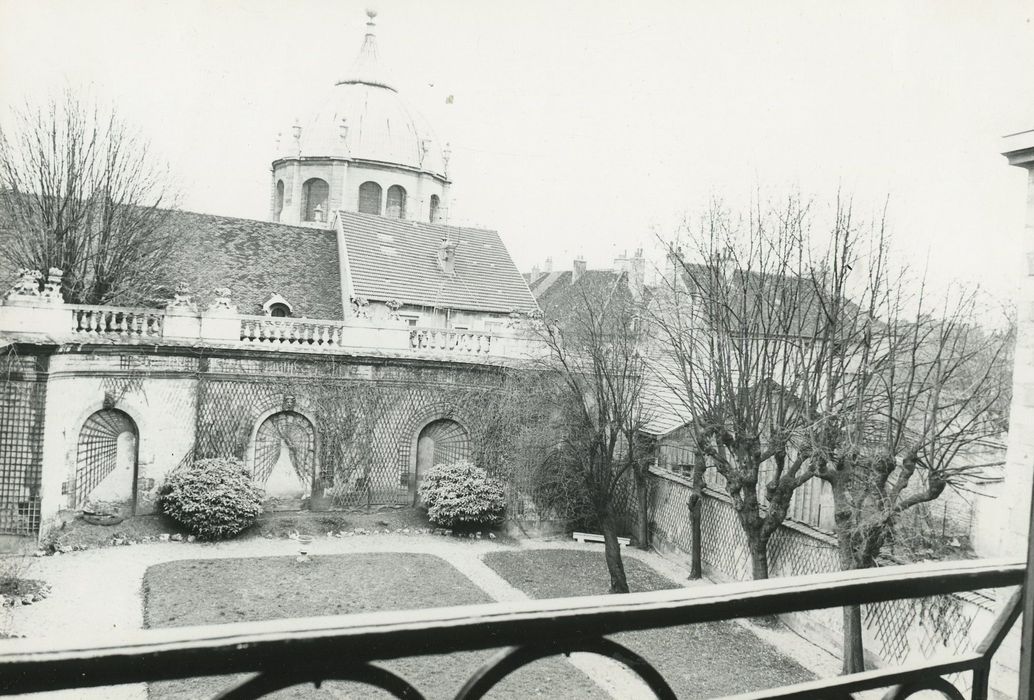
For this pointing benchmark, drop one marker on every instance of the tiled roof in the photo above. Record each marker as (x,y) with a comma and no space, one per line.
(546,280)
(396,259)
(257,258)
(559,297)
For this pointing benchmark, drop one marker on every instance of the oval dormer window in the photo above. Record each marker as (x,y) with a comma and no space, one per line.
(279,310)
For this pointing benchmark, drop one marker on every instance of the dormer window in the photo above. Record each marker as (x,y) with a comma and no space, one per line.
(278,307)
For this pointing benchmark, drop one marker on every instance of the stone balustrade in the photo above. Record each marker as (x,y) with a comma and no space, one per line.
(441,339)
(115,321)
(41,316)
(265,330)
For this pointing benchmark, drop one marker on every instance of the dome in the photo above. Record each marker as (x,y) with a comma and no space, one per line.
(365,118)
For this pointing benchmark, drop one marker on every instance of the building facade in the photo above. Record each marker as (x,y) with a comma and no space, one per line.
(364,150)
(339,350)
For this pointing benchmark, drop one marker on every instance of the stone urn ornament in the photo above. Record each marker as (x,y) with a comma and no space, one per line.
(304,545)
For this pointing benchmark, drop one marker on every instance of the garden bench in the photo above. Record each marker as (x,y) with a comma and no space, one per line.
(583,537)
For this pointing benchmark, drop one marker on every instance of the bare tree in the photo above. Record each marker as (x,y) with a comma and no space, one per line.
(80,191)
(738,335)
(800,356)
(913,398)
(597,371)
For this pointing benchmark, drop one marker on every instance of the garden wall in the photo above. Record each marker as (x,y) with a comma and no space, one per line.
(894,632)
(86,418)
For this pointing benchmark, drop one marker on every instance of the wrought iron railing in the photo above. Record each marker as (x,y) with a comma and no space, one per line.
(284,653)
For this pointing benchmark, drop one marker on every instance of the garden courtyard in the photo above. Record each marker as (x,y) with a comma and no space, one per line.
(170,584)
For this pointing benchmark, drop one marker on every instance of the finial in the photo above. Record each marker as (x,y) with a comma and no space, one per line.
(372,14)
(446,155)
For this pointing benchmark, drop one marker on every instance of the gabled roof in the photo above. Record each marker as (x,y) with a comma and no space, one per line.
(555,290)
(256,259)
(397,259)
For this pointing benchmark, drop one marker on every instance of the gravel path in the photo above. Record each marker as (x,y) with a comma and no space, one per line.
(98,592)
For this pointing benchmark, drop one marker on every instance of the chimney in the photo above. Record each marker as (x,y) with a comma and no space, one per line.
(637,271)
(578,269)
(535,272)
(548,267)
(447,256)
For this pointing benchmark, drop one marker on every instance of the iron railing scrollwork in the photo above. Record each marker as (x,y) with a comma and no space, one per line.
(284,653)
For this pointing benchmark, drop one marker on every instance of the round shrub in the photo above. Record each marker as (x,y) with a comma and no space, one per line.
(460,495)
(213,498)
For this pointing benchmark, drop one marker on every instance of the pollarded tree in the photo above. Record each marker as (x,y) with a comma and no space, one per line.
(80,191)
(739,334)
(801,356)
(596,367)
(905,416)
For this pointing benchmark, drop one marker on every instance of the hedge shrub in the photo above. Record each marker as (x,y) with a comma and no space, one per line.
(213,498)
(461,495)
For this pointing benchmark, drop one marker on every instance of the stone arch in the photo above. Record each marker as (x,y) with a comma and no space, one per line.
(316,196)
(435,205)
(427,418)
(278,207)
(396,203)
(369,198)
(106,460)
(283,455)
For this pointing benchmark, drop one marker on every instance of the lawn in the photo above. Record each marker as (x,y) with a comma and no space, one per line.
(198,592)
(698,661)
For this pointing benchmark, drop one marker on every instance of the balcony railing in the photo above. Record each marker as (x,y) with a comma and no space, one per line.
(115,321)
(289,652)
(291,331)
(221,327)
(469,342)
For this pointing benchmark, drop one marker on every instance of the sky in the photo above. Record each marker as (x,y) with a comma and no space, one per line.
(588,127)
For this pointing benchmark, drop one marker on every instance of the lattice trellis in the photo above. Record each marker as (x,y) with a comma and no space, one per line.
(722,542)
(364,432)
(21,455)
(285,428)
(98,450)
(901,629)
(670,519)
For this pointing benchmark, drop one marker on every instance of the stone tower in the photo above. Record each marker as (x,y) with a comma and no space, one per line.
(363,150)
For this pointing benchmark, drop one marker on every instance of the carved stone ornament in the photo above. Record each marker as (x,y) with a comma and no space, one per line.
(393,309)
(52,288)
(221,302)
(27,285)
(181,300)
(360,307)
(515,319)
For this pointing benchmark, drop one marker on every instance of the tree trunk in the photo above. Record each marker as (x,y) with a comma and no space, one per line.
(612,552)
(854,650)
(642,485)
(695,569)
(758,556)
(695,504)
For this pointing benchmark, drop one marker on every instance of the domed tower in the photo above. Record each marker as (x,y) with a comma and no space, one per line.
(364,150)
